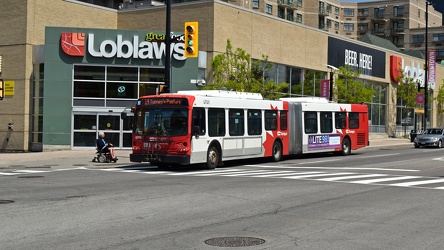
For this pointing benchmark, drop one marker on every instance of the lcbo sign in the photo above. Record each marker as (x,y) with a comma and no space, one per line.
(73,44)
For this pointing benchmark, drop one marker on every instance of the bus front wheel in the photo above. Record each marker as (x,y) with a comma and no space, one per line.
(345,147)
(277,152)
(213,157)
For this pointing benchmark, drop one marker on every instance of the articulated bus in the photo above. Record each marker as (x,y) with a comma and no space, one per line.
(209,127)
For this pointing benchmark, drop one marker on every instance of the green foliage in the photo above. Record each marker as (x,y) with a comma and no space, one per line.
(349,89)
(440,99)
(407,90)
(235,70)
(312,81)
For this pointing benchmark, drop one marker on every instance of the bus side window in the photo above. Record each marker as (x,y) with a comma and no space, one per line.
(216,122)
(311,122)
(340,120)
(199,120)
(353,120)
(236,122)
(283,119)
(271,119)
(254,122)
(326,122)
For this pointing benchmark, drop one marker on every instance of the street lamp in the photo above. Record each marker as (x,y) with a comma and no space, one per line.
(332,72)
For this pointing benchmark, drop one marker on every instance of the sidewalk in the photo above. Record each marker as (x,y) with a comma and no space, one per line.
(83,158)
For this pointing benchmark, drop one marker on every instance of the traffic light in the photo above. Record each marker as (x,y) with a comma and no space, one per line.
(191,39)
(2,89)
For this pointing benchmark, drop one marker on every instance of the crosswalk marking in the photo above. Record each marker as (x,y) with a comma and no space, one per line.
(313,175)
(416,183)
(351,177)
(344,177)
(385,179)
(31,171)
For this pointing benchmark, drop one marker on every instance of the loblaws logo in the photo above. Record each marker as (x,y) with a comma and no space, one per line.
(120,48)
(397,67)
(73,43)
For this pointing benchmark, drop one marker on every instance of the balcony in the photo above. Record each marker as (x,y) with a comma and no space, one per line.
(287,3)
(398,16)
(323,27)
(398,32)
(323,12)
(379,18)
(379,32)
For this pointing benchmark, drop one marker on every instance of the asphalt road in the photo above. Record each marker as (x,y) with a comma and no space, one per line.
(386,198)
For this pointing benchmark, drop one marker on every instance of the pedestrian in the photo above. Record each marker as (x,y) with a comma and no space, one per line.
(106,147)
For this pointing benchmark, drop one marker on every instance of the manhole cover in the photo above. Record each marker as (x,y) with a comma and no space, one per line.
(6,201)
(234,241)
(31,176)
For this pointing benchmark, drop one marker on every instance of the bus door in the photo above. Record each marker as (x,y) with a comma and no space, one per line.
(199,136)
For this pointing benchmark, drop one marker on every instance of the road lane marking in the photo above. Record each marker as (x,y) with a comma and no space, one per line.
(373,156)
(385,179)
(415,183)
(335,168)
(314,162)
(291,173)
(314,175)
(350,177)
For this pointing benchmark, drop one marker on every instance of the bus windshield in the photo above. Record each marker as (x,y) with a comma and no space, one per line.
(161,121)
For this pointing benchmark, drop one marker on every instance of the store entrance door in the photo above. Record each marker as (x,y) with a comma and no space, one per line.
(87,125)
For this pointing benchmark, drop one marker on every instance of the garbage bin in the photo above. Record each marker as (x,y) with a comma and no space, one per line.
(413,134)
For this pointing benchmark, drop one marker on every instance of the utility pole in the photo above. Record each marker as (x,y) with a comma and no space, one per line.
(168,48)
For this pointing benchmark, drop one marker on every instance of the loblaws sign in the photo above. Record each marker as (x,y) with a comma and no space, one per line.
(397,66)
(151,46)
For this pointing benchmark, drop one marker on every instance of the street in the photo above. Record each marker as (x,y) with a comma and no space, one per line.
(372,199)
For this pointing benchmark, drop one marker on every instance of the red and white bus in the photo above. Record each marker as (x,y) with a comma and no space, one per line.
(212,126)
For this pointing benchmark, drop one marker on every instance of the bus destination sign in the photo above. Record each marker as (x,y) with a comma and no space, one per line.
(165,102)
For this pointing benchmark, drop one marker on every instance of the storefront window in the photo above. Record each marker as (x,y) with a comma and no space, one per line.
(121,90)
(114,86)
(82,72)
(121,74)
(152,75)
(89,89)
(85,122)
(378,108)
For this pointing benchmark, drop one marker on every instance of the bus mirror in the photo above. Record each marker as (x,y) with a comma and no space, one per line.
(123,115)
(196,131)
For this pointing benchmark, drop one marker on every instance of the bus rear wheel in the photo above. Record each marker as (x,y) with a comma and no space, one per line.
(345,149)
(277,152)
(213,156)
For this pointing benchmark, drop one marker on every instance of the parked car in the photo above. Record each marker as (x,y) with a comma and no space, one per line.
(430,137)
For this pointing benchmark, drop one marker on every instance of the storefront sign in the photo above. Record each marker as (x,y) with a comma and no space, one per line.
(415,71)
(9,88)
(359,58)
(149,47)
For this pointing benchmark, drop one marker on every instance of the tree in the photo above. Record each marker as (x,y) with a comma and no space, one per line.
(311,84)
(440,99)
(349,89)
(235,70)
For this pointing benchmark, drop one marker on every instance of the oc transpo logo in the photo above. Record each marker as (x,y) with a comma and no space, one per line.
(73,43)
